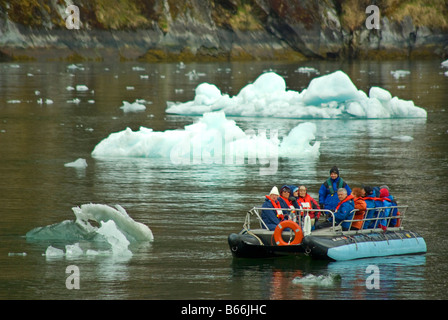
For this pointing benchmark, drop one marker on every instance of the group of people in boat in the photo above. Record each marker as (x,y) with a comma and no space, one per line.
(334,195)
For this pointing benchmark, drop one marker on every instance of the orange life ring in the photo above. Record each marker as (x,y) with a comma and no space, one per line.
(298,237)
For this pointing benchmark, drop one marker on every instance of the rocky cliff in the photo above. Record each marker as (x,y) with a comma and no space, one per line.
(221,30)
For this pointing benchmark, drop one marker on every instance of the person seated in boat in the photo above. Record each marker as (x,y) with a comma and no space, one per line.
(286,200)
(328,191)
(369,198)
(343,211)
(387,203)
(394,211)
(273,213)
(361,206)
(294,196)
(305,201)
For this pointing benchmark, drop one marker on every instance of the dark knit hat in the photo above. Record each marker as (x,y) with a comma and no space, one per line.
(368,190)
(335,170)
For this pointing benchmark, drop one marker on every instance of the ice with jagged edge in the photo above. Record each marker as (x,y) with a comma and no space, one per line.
(94,222)
(329,96)
(202,137)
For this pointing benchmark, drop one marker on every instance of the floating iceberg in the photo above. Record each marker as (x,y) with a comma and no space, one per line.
(328,97)
(116,228)
(134,231)
(212,139)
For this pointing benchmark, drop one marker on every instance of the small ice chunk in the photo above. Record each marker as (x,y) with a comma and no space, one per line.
(73,250)
(12,254)
(81,87)
(79,164)
(307,70)
(54,252)
(75,67)
(132,107)
(403,138)
(75,101)
(400,73)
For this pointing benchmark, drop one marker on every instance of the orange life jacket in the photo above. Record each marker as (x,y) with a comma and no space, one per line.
(359,215)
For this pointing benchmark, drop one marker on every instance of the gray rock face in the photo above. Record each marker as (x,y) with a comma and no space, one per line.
(164,30)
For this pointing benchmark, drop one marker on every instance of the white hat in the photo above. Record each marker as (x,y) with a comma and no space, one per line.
(274,190)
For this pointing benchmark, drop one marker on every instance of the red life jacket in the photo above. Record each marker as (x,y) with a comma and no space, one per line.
(371,198)
(307,203)
(288,203)
(350,197)
(277,206)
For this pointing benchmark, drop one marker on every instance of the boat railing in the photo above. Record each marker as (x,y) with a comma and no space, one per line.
(297,215)
(381,215)
(370,222)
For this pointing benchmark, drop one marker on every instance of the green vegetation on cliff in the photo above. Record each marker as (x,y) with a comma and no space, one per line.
(235,14)
(231,29)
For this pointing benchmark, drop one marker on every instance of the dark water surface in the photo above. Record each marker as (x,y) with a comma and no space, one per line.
(192,209)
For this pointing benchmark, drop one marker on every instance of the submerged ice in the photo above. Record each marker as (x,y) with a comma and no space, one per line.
(320,280)
(328,96)
(93,223)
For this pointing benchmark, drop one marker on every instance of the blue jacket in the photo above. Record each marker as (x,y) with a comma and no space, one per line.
(327,198)
(394,212)
(385,212)
(344,212)
(369,213)
(269,217)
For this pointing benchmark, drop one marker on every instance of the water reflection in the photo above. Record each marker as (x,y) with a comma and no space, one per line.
(300,278)
(192,209)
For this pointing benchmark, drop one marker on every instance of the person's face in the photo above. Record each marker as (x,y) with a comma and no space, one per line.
(285,194)
(274,197)
(333,175)
(302,192)
(342,196)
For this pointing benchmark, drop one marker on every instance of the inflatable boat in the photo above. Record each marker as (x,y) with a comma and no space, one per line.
(294,237)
